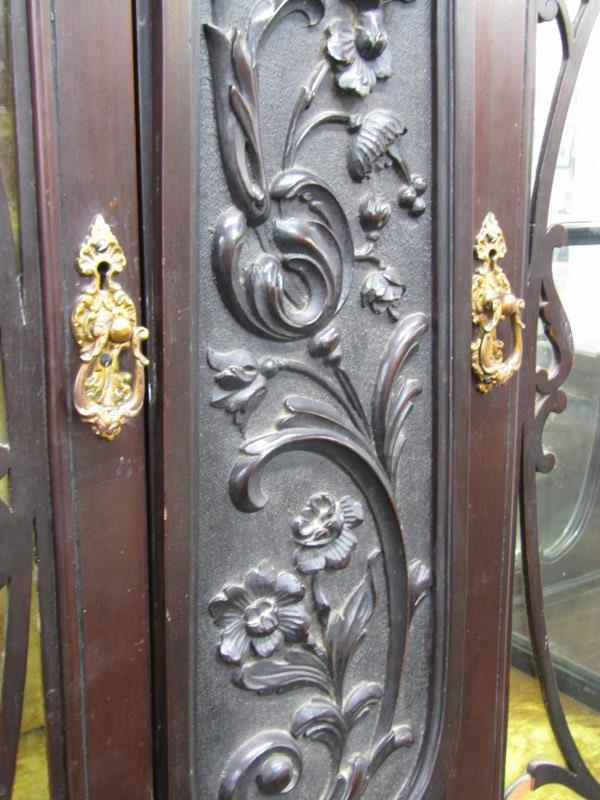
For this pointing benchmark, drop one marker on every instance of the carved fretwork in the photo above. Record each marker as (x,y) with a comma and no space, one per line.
(547,395)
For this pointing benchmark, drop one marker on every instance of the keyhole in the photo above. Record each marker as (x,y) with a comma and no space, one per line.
(103,268)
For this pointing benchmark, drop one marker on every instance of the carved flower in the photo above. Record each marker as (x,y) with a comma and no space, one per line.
(359,50)
(240,382)
(374,213)
(382,292)
(323,531)
(261,612)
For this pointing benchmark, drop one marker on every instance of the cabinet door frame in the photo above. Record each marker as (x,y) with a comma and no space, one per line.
(84,113)
(489,169)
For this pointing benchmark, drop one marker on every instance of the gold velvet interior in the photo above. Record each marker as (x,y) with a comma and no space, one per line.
(530,736)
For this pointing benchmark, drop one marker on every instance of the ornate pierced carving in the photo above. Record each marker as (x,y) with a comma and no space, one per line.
(547,395)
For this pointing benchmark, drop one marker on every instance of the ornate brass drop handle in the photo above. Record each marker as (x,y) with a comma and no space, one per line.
(492,301)
(104,324)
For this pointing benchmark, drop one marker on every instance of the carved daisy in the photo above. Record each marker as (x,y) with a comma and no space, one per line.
(261,612)
(359,49)
(324,532)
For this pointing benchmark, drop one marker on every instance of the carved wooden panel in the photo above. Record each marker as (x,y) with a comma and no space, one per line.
(319,543)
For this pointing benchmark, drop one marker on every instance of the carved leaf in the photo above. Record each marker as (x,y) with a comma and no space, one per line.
(360,701)
(377,130)
(321,720)
(347,627)
(393,395)
(351,780)
(296,291)
(236,108)
(419,581)
(296,669)
(401,736)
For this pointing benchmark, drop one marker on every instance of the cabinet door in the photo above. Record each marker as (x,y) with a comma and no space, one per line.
(329,463)
(83,69)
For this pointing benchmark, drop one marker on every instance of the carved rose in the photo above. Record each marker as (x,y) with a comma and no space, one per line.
(360,51)
(323,531)
(382,292)
(261,612)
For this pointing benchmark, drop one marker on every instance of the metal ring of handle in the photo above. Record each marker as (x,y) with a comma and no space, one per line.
(104,324)
(492,301)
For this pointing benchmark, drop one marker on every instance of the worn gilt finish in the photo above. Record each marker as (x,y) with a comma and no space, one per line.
(492,301)
(284,259)
(104,324)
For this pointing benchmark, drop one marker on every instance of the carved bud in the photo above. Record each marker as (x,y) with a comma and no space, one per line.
(374,213)
(326,345)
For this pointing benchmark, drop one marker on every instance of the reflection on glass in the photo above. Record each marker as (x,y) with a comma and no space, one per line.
(577,177)
(550,54)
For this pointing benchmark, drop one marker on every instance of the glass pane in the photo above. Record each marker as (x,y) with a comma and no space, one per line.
(550,55)
(575,191)
(569,506)
(568,497)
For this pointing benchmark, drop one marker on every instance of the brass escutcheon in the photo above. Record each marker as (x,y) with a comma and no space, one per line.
(104,324)
(492,301)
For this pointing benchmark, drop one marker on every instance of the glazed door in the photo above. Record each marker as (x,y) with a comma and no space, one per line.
(335,501)
(78,62)
(277,558)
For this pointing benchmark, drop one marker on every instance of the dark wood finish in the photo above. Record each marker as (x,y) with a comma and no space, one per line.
(174,518)
(500,184)
(86,164)
(175,328)
(543,393)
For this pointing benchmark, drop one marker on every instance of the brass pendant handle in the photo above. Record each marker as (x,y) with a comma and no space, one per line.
(492,301)
(104,324)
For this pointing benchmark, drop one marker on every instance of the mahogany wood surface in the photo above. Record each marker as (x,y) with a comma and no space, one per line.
(500,181)
(84,111)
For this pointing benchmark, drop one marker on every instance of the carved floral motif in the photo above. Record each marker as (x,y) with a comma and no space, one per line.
(261,612)
(324,532)
(382,291)
(359,50)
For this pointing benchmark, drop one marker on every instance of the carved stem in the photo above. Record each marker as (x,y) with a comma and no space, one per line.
(307,94)
(366,253)
(357,415)
(353,398)
(326,117)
